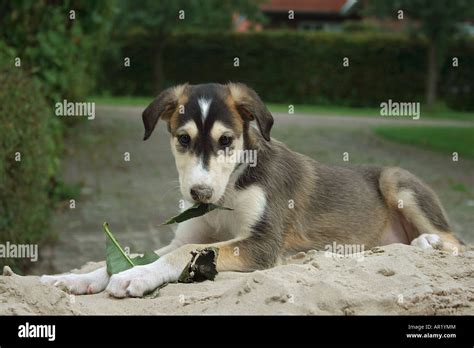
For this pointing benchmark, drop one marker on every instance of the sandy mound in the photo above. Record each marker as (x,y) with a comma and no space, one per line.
(395,279)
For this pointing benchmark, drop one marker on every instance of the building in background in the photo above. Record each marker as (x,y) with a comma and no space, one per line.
(324,15)
(327,15)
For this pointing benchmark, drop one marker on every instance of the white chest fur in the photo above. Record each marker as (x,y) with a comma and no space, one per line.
(248,207)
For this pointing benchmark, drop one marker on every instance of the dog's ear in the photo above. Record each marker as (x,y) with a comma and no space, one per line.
(251,107)
(162,107)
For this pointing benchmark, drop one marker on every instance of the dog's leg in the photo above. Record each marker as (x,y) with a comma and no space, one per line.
(420,207)
(234,255)
(194,231)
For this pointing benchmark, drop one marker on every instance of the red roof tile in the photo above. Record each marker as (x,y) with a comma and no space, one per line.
(319,6)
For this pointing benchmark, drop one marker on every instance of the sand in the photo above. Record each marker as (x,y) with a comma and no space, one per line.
(395,279)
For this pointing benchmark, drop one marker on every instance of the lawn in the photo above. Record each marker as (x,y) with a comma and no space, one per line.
(442,139)
(441,111)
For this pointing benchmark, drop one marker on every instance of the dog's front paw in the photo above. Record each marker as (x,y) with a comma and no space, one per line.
(135,282)
(79,284)
(428,241)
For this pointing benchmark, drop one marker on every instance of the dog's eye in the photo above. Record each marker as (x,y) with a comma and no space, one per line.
(184,139)
(225,140)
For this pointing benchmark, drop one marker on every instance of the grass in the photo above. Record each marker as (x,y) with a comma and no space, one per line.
(441,111)
(442,139)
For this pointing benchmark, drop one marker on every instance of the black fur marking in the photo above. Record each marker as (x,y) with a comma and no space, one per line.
(203,145)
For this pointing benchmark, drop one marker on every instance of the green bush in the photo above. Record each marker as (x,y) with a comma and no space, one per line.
(137,79)
(27,129)
(60,52)
(304,68)
(294,67)
(59,56)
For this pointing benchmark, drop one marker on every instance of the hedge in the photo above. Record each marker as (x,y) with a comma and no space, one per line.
(27,130)
(61,53)
(459,82)
(295,67)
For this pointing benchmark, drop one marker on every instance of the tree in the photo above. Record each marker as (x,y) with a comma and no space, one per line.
(159,19)
(58,42)
(438,21)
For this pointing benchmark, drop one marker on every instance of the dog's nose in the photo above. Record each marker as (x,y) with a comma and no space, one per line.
(201,193)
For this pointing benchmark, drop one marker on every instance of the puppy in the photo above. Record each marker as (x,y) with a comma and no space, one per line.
(284,202)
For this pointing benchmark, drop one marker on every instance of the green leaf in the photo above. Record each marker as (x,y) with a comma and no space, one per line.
(196,210)
(148,257)
(116,258)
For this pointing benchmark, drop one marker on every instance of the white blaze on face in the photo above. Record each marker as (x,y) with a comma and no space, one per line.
(204,105)
(191,169)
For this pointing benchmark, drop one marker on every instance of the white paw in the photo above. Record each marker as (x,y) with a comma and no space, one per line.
(79,284)
(134,282)
(140,280)
(428,241)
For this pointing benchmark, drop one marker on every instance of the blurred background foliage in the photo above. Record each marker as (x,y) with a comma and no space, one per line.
(296,67)
(60,53)
(25,184)
(143,28)
(439,22)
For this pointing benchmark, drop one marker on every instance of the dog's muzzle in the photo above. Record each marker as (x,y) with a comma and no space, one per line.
(201,193)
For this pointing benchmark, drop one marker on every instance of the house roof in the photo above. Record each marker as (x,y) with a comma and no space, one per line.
(309,6)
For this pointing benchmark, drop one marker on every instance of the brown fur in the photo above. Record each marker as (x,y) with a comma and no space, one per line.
(181,99)
(230,259)
(238,121)
(293,240)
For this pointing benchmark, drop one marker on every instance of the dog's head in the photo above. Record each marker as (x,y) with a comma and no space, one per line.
(208,124)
